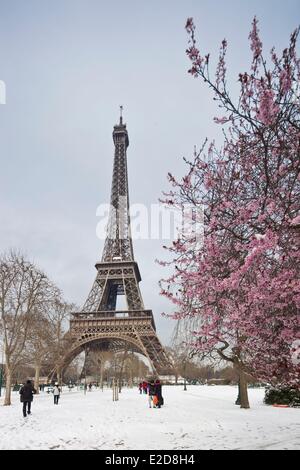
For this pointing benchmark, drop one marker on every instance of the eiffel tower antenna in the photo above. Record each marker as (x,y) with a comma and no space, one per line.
(99,323)
(121,115)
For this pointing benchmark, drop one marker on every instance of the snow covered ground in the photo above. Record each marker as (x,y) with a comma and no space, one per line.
(200,418)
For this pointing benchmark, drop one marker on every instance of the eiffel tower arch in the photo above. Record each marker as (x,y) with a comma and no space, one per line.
(99,323)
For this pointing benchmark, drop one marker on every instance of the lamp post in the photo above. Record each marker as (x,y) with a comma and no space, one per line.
(85,384)
(85,357)
(1,379)
(184,389)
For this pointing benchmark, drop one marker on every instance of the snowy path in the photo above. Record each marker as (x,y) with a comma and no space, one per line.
(201,418)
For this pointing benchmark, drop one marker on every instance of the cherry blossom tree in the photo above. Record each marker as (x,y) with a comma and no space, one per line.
(242,284)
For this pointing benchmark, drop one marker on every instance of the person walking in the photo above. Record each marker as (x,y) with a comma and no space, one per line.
(56,393)
(26,397)
(151,392)
(141,388)
(158,393)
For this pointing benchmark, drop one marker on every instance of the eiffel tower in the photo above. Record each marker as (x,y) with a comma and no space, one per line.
(100,324)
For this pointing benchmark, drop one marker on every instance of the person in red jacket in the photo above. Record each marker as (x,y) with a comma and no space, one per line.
(145,387)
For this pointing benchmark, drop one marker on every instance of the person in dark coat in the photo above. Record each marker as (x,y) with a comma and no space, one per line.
(157,387)
(26,397)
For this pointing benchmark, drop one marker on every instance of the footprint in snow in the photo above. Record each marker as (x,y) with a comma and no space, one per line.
(121,443)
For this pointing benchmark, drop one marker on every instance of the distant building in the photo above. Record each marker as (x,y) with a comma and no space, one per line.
(170,379)
(218,382)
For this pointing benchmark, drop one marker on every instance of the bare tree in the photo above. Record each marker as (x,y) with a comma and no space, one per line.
(40,344)
(23,289)
(135,369)
(182,350)
(58,316)
(102,358)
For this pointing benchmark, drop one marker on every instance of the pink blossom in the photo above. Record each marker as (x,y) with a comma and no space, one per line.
(256,44)
(193,53)
(296,221)
(190,27)
(268,108)
(222,120)
(285,81)
(221,67)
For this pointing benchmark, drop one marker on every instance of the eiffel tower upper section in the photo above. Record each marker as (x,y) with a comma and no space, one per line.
(117,273)
(118,243)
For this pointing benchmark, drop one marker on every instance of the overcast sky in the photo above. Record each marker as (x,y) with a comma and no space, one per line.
(68,65)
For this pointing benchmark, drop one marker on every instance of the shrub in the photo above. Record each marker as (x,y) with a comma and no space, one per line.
(282,396)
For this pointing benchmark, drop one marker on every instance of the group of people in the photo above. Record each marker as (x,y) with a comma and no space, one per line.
(152,388)
(88,386)
(26,396)
(154,391)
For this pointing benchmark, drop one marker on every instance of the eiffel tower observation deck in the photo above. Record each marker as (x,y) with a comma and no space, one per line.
(99,324)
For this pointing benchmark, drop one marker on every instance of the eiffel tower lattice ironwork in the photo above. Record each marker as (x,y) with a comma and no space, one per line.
(118,274)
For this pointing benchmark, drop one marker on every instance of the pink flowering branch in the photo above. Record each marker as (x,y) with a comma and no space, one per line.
(243,282)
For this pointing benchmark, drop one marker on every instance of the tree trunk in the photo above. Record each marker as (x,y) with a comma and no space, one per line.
(59,375)
(238,400)
(243,390)
(121,370)
(37,378)
(8,377)
(184,388)
(176,377)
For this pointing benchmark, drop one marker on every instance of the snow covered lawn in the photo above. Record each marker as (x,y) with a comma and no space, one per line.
(200,418)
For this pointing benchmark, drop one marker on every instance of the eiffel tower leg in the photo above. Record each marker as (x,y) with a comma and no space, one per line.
(95,296)
(59,375)
(156,353)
